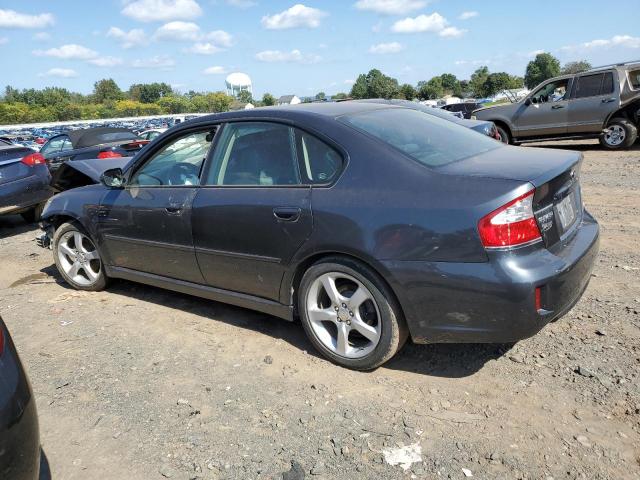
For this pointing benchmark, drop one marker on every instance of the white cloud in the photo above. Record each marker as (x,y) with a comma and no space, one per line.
(59,72)
(625,41)
(204,49)
(297,16)
(4,40)
(534,53)
(434,23)
(217,70)
(13,19)
(68,52)
(158,62)
(241,3)
(390,7)
(180,31)
(451,32)
(294,56)
(382,48)
(41,36)
(162,10)
(106,61)
(220,38)
(130,39)
(468,15)
(349,82)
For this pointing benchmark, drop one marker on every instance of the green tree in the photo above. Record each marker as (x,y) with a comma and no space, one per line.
(575,67)
(245,96)
(477,82)
(106,90)
(321,96)
(268,100)
(375,84)
(431,89)
(450,83)
(359,88)
(149,92)
(543,67)
(408,92)
(174,104)
(499,81)
(340,96)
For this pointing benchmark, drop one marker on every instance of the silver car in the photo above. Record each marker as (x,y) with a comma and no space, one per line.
(601,103)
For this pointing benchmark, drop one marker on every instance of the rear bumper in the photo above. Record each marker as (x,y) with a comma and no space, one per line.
(495,301)
(19,438)
(20,195)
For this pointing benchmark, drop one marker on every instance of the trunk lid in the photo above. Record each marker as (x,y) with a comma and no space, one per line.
(557,203)
(11,166)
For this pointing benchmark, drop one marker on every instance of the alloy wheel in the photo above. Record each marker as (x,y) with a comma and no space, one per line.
(79,258)
(343,315)
(615,135)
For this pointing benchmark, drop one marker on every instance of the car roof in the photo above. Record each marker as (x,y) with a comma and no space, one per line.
(89,137)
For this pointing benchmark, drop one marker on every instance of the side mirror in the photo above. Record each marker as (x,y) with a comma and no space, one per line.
(527,102)
(113,178)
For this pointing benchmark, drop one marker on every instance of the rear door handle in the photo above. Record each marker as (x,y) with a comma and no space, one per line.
(608,100)
(287,214)
(556,107)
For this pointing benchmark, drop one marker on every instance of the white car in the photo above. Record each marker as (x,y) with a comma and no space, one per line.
(151,133)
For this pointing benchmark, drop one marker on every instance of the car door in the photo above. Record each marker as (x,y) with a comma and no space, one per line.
(594,98)
(545,111)
(147,225)
(55,151)
(253,211)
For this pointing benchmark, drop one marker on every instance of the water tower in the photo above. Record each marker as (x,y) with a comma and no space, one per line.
(238,82)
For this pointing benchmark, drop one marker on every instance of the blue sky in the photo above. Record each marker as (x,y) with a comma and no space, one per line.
(297,48)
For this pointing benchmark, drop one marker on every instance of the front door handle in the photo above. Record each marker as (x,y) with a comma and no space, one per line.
(287,214)
(173,209)
(556,107)
(608,100)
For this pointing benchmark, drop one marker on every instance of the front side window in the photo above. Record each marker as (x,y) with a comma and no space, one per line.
(320,163)
(429,140)
(589,86)
(634,79)
(178,163)
(54,145)
(255,154)
(551,92)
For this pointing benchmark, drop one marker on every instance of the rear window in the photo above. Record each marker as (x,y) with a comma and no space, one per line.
(634,78)
(425,138)
(115,137)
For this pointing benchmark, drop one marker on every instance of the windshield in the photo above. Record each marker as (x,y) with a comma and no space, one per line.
(429,140)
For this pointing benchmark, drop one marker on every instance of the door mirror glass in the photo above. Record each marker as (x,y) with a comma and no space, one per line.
(113,178)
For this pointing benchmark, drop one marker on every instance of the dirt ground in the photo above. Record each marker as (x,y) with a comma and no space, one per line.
(140,383)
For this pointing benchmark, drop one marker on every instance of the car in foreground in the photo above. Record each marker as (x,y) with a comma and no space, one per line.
(602,103)
(24,182)
(371,223)
(19,437)
(483,127)
(101,142)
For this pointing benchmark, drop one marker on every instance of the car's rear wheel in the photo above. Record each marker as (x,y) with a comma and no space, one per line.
(77,258)
(349,314)
(619,134)
(33,215)
(504,134)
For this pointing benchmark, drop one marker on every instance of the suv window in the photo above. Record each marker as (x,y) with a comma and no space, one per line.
(256,154)
(551,92)
(588,85)
(319,163)
(179,163)
(607,84)
(634,79)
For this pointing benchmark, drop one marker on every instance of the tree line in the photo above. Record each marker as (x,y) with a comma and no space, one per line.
(108,100)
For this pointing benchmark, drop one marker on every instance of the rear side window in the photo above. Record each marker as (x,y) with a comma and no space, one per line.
(255,154)
(319,163)
(634,79)
(589,85)
(607,83)
(429,140)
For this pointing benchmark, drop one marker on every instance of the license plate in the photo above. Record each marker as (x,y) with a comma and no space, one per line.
(566,211)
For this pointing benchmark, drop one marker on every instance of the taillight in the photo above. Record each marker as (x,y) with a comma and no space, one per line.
(511,225)
(34,159)
(108,154)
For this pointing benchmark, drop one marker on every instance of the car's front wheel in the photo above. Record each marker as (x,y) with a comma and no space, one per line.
(77,258)
(504,134)
(349,314)
(619,134)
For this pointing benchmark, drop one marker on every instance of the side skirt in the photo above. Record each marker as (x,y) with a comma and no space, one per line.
(217,294)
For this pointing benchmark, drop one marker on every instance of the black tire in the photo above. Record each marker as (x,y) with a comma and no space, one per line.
(630,134)
(100,282)
(393,327)
(504,135)
(33,215)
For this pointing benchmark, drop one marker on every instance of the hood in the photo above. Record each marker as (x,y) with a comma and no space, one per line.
(77,173)
(534,165)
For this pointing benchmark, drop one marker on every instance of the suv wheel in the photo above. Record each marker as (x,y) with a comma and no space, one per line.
(349,314)
(620,133)
(504,135)
(77,258)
